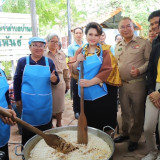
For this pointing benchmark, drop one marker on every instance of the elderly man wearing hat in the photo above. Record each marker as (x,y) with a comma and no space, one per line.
(32,87)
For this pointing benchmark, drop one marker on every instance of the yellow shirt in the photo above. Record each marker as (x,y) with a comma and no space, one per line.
(158,71)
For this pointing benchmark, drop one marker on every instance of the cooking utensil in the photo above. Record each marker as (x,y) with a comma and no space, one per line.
(52,140)
(82,121)
(30,144)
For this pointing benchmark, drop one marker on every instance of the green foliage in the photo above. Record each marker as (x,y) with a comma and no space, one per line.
(77,16)
(54,12)
(17,6)
(67,95)
(137,10)
(8,66)
(50,12)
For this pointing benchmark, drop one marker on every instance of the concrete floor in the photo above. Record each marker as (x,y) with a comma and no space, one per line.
(121,152)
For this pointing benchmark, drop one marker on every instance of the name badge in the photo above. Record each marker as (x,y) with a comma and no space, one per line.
(136,46)
(119,49)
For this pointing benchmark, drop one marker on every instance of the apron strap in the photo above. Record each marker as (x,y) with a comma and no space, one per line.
(46,60)
(27,60)
(101,51)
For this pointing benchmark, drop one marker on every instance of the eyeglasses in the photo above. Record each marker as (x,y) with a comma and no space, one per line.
(55,42)
(78,33)
(36,46)
(125,27)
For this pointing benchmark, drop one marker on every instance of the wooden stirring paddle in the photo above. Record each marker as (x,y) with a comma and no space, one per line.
(52,140)
(82,121)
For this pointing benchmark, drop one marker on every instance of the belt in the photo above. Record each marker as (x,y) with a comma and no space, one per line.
(133,80)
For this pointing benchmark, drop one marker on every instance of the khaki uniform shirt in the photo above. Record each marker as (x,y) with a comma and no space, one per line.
(59,60)
(135,53)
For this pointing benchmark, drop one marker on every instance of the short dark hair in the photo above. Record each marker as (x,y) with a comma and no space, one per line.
(125,18)
(60,44)
(154,14)
(78,28)
(117,36)
(94,25)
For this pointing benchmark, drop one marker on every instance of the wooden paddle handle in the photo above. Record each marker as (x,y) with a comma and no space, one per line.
(5,113)
(82,90)
(82,135)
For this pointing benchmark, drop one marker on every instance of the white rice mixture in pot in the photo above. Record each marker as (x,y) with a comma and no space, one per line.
(96,149)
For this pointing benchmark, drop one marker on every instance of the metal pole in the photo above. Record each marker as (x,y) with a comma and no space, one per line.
(69,39)
(1,9)
(1,4)
(33,18)
(69,22)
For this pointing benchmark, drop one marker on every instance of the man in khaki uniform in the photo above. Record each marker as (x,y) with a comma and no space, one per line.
(132,54)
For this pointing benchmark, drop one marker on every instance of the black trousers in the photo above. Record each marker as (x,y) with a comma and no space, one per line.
(76,99)
(157,135)
(5,150)
(26,134)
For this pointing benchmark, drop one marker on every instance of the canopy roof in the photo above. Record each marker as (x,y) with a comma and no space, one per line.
(110,20)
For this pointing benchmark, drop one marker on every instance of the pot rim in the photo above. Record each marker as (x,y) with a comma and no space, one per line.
(73,127)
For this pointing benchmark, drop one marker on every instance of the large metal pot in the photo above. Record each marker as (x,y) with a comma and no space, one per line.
(34,140)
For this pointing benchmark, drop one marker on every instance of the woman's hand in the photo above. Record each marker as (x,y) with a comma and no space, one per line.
(67,88)
(53,77)
(84,83)
(88,83)
(19,106)
(80,58)
(9,120)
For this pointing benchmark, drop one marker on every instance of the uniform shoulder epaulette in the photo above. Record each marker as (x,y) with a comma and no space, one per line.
(61,52)
(141,37)
(119,43)
(106,47)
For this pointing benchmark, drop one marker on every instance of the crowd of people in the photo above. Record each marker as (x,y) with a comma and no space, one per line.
(130,69)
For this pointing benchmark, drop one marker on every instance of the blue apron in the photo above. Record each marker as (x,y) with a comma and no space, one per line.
(36,94)
(91,66)
(4,128)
